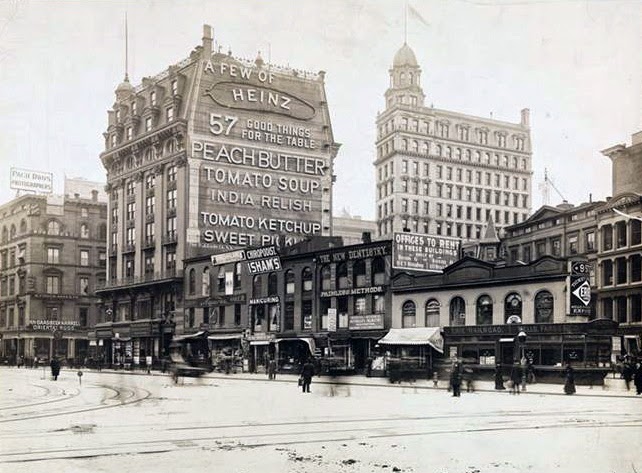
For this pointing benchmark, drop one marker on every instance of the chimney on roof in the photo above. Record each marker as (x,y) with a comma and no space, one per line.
(76,195)
(207,41)
(526,117)
(94,195)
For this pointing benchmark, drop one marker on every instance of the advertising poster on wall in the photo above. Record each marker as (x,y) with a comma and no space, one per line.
(418,252)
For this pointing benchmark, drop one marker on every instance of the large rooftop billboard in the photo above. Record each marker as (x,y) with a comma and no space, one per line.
(264,148)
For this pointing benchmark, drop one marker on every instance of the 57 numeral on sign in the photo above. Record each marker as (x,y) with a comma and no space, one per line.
(221,124)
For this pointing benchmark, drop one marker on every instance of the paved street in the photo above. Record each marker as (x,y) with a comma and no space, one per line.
(131,422)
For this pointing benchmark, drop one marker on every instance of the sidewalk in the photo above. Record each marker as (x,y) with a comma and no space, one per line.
(613,387)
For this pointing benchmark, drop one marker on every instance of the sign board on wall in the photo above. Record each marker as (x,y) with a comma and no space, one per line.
(417,252)
(264,149)
(579,288)
(366,322)
(332,320)
(28,180)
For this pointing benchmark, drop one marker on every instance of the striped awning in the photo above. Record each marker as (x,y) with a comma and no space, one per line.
(415,336)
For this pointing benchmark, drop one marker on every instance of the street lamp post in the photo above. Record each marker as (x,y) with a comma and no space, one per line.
(521,339)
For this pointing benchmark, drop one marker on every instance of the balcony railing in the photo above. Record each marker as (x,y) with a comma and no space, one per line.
(144,279)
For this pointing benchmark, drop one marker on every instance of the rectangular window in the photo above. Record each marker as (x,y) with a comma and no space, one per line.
(237,314)
(53,255)
(84,285)
(572,245)
(84,258)
(53,285)
(149,204)
(590,241)
(169,114)
(288,320)
(171,199)
(360,305)
(174,87)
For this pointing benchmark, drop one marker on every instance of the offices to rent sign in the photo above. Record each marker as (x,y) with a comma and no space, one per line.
(265,148)
(419,252)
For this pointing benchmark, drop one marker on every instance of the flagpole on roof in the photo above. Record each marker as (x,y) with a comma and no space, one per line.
(405,22)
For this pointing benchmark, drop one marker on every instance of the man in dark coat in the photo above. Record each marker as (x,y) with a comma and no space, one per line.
(515,378)
(499,378)
(569,380)
(627,374)
(455,379)
(307,371)
(55,368)
(637,378)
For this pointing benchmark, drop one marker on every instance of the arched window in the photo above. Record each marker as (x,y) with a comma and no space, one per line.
(289,282)
(342,276)
(53,228)
(378,271)
(457,311)
(326,278)
(432,313)
(191,287)
(257,284)
(306,278)
(272,284)
(484,310)
(205,282)
(359,273)
(84,231)
(513,308)
(408,314)
(544,305)
(5,234)
(23,226)
(102,231)
(170,146)
(12,232)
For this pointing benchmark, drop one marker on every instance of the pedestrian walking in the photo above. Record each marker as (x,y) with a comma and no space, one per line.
(499,377)
(271,368)
(35,362)
(627,373)
(569,379)
(515,378)
(55,368)
(637,378)
(307,371)
(469,379)
(455,379)
(435,379)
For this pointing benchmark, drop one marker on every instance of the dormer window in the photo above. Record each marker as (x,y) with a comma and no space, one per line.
(129,132)
(148,123)
(152,98)
(113,140)
(133,108)
(118,115)
(174,87)
(169,113)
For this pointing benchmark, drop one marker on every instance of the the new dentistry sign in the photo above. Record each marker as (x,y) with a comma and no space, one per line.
(263,149)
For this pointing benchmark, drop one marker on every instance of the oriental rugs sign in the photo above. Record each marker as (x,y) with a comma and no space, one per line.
(53,325)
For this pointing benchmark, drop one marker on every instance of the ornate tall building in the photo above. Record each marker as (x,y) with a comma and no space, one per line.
(214,153)
(446,173)
(52,257)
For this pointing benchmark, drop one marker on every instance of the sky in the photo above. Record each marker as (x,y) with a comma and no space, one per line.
(577,65)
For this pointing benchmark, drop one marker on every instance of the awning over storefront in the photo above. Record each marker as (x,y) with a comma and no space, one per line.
(308,340)
(415,336)
(225,336)
(260,342)
(190,336)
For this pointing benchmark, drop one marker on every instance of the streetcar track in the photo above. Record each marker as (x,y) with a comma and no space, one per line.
(241,446)
(124,402)
(64,397)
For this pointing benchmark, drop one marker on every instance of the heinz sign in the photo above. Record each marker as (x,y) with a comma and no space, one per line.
(262,151)
(417,252)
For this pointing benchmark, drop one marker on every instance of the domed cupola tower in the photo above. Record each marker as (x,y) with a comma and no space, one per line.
(405,80)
